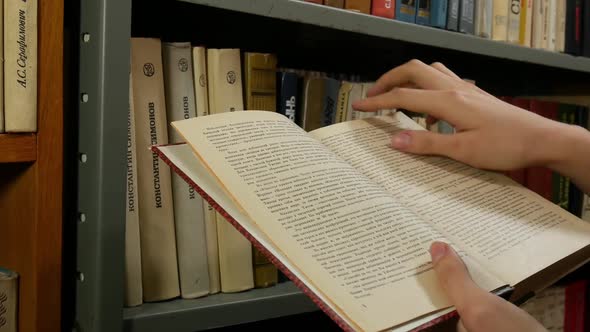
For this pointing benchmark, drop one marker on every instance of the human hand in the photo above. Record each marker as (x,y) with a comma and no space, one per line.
(479,310)
(491,133)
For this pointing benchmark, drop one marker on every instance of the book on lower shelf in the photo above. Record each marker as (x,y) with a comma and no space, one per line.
(350,220)
(8,300)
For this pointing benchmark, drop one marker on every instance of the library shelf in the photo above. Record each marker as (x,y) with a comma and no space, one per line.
(16,148)
(218,310)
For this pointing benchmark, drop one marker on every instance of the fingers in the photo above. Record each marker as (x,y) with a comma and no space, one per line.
(415,73)
(453,276)
(445,105)
(443,69)
(424,142)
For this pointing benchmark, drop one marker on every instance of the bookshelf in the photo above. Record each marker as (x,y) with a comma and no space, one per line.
(31,187)
(302,35)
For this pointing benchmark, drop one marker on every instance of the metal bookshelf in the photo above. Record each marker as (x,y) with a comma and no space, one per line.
(104,32)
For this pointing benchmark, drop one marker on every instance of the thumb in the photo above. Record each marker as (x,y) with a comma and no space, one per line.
(425,142)
(453,276)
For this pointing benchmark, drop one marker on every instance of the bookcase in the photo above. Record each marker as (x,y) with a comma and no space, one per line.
(31,187)
(303,35)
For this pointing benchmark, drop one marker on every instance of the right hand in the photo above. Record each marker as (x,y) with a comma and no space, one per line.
(491,133)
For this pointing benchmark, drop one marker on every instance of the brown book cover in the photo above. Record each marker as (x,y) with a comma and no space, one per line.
(363,6)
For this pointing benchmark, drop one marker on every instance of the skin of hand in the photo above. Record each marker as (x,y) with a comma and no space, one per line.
(479,310)
(491,134)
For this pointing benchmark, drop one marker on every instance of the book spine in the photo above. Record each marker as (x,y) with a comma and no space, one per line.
(405,11)
(334,3)
(330,100)
(500,28)
(260,87)
(526,23)
(133,284)
(573,27)
(235,252)
(453,15)
(361,6)
(586,208)
(545,24)
(319,2)
(8,300)
(188,207)
(560,26)
(585,31)
(383,8)
(483,18)
(551,22)
(514,22)
(200,80)
(438,14)
(210,217)
(466,17)
(2,83)
(423,12)
(288,98)
(538,23)
(20,66)
(158,242)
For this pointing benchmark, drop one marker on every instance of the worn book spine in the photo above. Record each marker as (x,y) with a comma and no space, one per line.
(8,300)
(361,6)
(383,8)
(405,11)
(438,14)
(158,242)
(423,12)
(201,84)
(500,27)
(288,94)
(538,24)
(453,15)
(526,22)
(514,22)
(188,206)
(466,15)
(225,95)
(573,27)
(133,283)
(20,66)
(260,81)
(560,26)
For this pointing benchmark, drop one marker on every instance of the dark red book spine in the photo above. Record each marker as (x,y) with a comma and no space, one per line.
(577,311)
(383,8)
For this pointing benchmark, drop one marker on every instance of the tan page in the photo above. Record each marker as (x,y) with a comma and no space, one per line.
(359,246)
(509,229)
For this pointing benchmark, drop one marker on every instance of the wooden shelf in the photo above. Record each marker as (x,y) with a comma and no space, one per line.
(16,148)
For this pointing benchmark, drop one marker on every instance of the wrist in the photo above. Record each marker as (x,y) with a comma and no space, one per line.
(561,145)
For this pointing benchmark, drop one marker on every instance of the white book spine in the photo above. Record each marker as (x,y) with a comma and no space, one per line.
(500,28)
(133,283)
(560,28)
(200,80)
(20,66)
(484,18)
(188,205)
(514,22)
(528,32)
(551,18)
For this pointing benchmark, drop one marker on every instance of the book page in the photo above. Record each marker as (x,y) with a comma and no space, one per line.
(361,249)
(509,229)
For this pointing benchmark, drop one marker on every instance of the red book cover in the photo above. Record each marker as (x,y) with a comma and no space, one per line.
(276,262)
(577,308)
(383,8)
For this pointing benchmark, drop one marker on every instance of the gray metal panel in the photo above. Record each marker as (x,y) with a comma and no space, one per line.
(309,13)
(104,68)
(218,310)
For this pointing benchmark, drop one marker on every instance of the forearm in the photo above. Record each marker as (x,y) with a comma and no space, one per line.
(568,153)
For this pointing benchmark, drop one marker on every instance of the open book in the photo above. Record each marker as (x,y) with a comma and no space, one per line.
(350,220)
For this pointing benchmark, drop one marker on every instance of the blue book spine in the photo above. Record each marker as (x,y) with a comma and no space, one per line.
(438,13)
(405,10)
(423,12)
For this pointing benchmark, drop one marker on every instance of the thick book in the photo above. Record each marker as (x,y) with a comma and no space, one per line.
(423,12)
(551,23)
(405,10)
(8,300)
(350,220)
(514,22)
(383,8)
(189,213)
(224,71)
(20,66)
(260,86)
(156,212)
(573,27)
(453,15)
(438,14)
(133,284)
(466,16)
(484,12)
(500,26)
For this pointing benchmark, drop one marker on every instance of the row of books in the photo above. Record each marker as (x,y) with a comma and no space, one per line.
(553,25)
(18,68)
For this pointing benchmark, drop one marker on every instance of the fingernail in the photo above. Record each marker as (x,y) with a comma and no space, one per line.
(401,141)
(437,251)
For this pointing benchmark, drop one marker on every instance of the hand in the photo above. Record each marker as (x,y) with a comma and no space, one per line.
(479,310)
(490,134)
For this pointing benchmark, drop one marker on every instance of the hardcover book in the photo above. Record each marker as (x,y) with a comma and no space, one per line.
(453,15)
(405,10)
(350,220)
